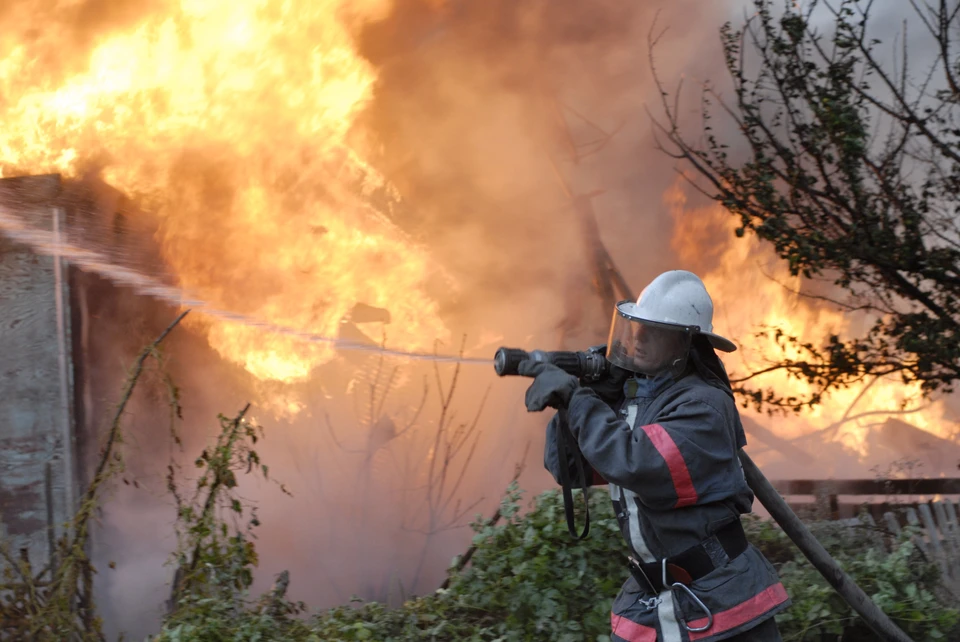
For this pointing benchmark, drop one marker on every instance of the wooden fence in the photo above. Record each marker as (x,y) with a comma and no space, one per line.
(891,505)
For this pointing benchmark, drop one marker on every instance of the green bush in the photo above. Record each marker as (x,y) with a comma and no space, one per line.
(529,580)
(903,583)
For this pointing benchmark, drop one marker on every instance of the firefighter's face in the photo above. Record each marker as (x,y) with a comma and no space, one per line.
(656,348)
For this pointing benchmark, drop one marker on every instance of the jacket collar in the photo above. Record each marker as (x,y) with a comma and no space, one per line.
(646,387)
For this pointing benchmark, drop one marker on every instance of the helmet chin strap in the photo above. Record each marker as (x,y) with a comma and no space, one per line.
(679,365)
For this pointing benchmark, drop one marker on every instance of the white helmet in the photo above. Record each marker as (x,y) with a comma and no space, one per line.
(676,300)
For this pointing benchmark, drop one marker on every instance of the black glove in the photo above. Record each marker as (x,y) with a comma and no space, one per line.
(551,386)
(610,388)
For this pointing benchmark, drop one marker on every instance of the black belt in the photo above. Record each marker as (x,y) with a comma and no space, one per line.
(695,562)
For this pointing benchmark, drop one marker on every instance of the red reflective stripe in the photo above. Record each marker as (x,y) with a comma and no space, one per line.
(741,613)
(631,631)
(682,482)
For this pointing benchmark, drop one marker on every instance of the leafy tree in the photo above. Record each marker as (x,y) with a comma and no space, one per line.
(850,167)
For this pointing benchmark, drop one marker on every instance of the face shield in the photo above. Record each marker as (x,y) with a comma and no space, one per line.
(647,347)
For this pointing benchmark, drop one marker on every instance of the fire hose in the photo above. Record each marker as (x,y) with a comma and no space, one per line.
(591,366)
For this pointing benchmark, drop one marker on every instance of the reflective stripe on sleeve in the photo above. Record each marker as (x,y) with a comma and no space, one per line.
(682,482)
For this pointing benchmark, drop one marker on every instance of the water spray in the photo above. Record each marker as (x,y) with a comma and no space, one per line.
(47,243)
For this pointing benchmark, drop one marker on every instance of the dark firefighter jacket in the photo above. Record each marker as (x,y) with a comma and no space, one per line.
(668,452)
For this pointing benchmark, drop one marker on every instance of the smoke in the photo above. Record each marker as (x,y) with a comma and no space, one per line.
(467,114)
(463,122)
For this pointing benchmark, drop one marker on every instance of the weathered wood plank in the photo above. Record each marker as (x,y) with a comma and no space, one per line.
(954,535)
(873,533)
(933,534)
(952,520)
(31,384)
(946,535)
(935,486)
(893,525)
(913,520)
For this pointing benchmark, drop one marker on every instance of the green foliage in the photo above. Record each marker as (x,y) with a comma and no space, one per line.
(902,583)
(849,169)
(529,580)
(220,620)
(212,557)
(541,582)
(216,552)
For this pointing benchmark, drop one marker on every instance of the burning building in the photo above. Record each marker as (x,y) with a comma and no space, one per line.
(385,172)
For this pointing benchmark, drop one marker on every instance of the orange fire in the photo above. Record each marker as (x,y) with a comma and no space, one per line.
(236,121)
(751,289)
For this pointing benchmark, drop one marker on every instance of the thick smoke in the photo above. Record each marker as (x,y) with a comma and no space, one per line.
(464,123)
(467,113)
(464,119)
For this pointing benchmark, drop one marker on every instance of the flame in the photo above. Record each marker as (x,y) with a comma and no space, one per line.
(752,289)
(232,119)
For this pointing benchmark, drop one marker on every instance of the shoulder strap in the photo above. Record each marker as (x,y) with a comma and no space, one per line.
(567,445)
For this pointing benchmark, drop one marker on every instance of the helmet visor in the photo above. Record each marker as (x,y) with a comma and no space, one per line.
(647,347)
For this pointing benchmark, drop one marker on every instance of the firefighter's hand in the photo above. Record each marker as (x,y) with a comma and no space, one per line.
(551,386)
(610,388)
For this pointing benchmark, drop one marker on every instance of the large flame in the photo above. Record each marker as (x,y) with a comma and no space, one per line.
(231,119)
(752,289)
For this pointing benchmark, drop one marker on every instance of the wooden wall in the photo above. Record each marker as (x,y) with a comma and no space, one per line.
(37,476)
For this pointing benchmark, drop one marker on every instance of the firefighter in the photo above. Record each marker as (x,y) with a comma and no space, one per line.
(665,442)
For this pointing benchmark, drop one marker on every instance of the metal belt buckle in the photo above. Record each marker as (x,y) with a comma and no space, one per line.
(677,585)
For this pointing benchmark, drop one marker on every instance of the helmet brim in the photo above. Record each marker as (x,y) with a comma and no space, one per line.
(720,343)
